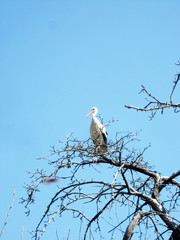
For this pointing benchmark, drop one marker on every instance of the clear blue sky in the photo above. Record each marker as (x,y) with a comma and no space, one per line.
(60,58)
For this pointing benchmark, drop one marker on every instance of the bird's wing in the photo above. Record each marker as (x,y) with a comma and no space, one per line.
(104,135)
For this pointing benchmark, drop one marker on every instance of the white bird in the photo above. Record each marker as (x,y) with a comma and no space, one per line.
(98,132)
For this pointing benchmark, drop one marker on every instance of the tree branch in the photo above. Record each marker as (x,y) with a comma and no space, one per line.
(155,104)
(129,230)
(5,223)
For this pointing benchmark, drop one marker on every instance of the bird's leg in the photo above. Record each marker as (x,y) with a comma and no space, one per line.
(95,159)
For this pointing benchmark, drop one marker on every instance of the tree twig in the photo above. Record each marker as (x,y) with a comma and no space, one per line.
(5,223)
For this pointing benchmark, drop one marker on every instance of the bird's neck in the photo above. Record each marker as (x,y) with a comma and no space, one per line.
(94,119)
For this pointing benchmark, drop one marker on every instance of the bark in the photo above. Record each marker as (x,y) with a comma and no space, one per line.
(129,231)
(176,234)
(158,208)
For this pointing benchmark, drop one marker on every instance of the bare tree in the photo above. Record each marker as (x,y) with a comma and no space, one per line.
(83,189)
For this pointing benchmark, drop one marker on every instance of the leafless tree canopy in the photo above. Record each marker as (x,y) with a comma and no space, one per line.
(99,192)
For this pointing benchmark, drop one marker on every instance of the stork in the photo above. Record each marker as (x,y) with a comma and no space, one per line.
(98,132)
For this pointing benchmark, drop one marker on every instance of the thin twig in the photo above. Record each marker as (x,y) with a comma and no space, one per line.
(5,223)
(22,232)
(175,83)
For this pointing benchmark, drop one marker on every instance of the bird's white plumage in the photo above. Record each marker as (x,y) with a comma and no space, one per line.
(98,132)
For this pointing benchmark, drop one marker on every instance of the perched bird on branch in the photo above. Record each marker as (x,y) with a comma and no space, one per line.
(98,132)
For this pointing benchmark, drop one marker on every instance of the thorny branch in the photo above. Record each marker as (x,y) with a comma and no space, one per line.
(121,178)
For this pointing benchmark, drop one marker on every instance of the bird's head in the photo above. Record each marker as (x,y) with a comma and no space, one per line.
(93,111)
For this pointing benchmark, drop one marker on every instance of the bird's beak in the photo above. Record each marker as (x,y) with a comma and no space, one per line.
(89,113)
